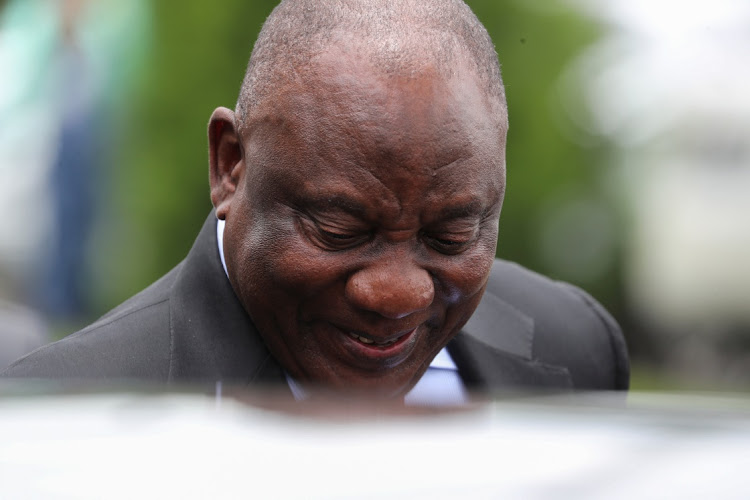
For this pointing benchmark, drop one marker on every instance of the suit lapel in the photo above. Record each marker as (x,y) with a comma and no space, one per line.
(494,351)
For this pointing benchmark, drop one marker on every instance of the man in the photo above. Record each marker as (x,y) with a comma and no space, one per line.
(358,188)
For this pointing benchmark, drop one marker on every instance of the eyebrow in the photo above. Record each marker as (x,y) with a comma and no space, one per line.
(336,202)
(468,210)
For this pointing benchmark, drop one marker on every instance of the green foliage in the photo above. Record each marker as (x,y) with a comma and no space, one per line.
(548,163)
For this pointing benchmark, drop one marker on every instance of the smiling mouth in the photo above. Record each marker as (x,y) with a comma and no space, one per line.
(374,343)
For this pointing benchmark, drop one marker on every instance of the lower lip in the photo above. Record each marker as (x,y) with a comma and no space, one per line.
(390,354)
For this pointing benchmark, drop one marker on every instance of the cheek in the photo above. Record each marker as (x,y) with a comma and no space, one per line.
(463,283)
(283,263)
(463,287)
(465,277)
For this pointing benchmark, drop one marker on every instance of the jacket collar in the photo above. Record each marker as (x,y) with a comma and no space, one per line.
(494,351)
(213,338)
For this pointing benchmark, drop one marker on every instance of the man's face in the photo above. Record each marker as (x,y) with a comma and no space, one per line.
(364,223)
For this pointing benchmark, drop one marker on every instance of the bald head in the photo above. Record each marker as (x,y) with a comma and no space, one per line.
(400,39)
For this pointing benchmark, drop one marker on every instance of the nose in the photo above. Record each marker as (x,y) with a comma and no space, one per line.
(393,289)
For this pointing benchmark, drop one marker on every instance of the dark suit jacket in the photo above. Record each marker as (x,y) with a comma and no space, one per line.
(189,327)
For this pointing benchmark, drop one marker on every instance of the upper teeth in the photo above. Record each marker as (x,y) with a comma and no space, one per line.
(365,340)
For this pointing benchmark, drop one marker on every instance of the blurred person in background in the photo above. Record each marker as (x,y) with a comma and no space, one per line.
(56,126)
(357,187)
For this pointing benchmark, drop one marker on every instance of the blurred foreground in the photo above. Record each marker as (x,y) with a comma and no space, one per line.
(133,445)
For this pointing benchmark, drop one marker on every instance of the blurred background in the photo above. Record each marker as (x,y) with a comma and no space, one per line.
(628,159)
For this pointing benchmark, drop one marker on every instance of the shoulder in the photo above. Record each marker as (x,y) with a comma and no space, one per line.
(570,328)
(132,341)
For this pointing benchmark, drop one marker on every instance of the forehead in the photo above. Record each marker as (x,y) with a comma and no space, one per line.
(420,99)
(343,111)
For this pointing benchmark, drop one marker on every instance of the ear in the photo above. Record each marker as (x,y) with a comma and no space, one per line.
(225,159)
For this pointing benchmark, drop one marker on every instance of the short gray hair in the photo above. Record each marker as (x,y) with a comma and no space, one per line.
(399,34)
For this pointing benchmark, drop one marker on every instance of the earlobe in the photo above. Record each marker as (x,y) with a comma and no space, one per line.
(225,159)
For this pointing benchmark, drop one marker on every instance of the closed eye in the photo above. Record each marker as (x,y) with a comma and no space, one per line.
(449,246)
(335,239)
(330,233)
(334,235)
